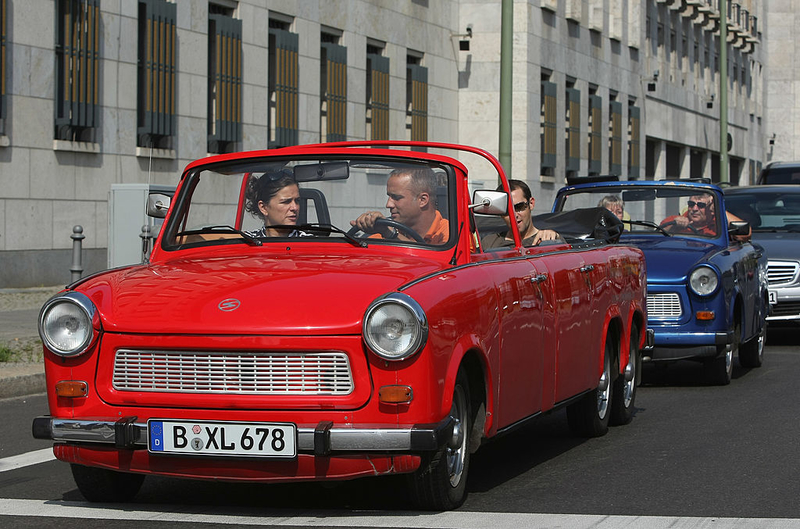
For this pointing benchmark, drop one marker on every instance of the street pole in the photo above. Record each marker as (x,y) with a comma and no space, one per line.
(723,92)
(506,80)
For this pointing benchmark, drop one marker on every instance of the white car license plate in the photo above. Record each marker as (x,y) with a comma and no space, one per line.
(278,440)
(773,297)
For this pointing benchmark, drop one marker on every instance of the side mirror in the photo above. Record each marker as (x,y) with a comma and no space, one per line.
(489,202)
(739,228)
(157,205)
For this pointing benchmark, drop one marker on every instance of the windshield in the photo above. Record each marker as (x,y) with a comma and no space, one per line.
(779,211)
(353,201)
(666,210)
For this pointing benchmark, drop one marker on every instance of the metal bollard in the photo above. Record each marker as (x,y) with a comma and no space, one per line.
(146,238)
(77,238)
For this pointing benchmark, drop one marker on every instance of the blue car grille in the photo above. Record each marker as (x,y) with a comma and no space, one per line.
(781,272)
(313,373)
(666,305)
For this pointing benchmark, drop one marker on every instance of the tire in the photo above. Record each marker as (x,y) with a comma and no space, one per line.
(106,486)
(589,416)
(718,371)
(441,482)
(751,353)
(625,385)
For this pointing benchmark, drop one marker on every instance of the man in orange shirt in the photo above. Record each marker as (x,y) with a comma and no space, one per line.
(412,202)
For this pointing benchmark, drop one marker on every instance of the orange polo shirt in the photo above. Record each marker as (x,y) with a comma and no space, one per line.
(439,231)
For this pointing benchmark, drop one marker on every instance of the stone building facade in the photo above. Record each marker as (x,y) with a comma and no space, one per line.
(98,93)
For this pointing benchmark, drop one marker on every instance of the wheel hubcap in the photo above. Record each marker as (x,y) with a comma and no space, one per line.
(456,447)
(603,389)
(630,381)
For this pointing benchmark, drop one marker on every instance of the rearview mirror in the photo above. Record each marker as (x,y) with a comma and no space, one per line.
(489,202)
(322,171)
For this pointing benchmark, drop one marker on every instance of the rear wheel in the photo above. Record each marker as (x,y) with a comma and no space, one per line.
(107,486)
(441,483)
(751,353)
(626,384)
(589,416)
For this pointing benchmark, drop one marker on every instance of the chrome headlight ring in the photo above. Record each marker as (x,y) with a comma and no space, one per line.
(704,280)
(68,324)
(395,327)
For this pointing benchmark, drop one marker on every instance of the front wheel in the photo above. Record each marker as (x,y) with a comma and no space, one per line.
(106,486)
(589,416)
(751,353)
(441,482)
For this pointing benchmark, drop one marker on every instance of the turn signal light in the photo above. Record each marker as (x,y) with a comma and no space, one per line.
(705,315)
(72,388)
(395,394)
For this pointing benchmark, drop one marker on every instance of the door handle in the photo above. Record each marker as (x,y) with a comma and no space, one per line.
(540,278)
(587,268)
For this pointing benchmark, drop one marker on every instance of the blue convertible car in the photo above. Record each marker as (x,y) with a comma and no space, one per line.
(707,295)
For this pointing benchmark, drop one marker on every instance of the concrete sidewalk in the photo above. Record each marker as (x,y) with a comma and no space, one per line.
(19,312)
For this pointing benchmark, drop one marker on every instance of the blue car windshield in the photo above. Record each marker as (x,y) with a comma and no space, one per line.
(677,211)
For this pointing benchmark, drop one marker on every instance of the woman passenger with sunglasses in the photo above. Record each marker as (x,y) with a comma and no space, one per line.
(523,208)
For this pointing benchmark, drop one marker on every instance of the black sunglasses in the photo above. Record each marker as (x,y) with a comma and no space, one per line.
(700,205)
(519,207)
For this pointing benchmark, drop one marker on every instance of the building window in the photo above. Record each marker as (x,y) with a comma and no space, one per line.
(284,82)
(377,94)
(595,133)
(224,82)
(76,74)
(155,108)
(615,137)
(2,66)
(573,130)
(634,114)
(416,100)
(548,110)
(333,90)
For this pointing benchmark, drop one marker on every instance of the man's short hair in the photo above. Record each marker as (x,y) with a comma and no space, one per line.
(518,184)
(422,179)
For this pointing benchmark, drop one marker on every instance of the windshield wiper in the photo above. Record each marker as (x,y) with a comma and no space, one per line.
(330,228)
(649,225)
(223,228)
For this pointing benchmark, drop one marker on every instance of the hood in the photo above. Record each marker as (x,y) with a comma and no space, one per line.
(781,245)
(267,295)
(670,259)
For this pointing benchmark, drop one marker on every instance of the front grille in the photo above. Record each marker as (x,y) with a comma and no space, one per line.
(781,272)
(786,308)
(663,305)
(323,373)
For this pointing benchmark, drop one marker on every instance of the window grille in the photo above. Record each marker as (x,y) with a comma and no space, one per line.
(549,102)
(573,118)
(595,133)
(334,91)
(634,113)
(378,96)
(225,83)
(615,137)
(283,83)
(156,112)
(417,101)
(77,59)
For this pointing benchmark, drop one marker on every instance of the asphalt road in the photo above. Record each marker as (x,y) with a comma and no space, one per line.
(693,453)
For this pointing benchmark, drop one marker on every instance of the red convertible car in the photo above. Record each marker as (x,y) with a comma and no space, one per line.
(328,312)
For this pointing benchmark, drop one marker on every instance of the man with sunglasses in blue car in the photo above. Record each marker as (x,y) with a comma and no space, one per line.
(523,208)
(698,219)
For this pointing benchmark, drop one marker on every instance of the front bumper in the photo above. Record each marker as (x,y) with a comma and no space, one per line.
(684,345)
(322,440)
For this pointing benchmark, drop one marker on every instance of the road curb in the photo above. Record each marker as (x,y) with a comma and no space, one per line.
(22,385)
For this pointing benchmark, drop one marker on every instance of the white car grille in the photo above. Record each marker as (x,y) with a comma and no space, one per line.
(663,305)
(781,272)
(298,373)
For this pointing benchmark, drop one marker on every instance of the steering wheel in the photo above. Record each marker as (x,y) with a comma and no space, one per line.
(389,223)
(674,223)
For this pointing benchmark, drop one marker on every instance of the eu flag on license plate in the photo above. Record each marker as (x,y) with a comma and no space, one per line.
(157,436)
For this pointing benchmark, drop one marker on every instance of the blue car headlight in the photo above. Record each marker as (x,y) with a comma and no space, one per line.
(395,327)
(704,280)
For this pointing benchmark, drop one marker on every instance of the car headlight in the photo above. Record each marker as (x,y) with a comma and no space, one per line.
(395,327)
(66,324)
(703,280)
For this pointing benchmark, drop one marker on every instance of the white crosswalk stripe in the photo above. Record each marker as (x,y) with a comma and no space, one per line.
(24,460)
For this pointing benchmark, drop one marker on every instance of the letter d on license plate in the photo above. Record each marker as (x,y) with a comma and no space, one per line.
(276,440)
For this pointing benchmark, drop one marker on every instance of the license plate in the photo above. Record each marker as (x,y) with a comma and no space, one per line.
(773,297)
(277,440)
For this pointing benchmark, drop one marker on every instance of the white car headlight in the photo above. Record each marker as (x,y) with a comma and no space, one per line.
(65,324)
(395,327)
(703,281)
